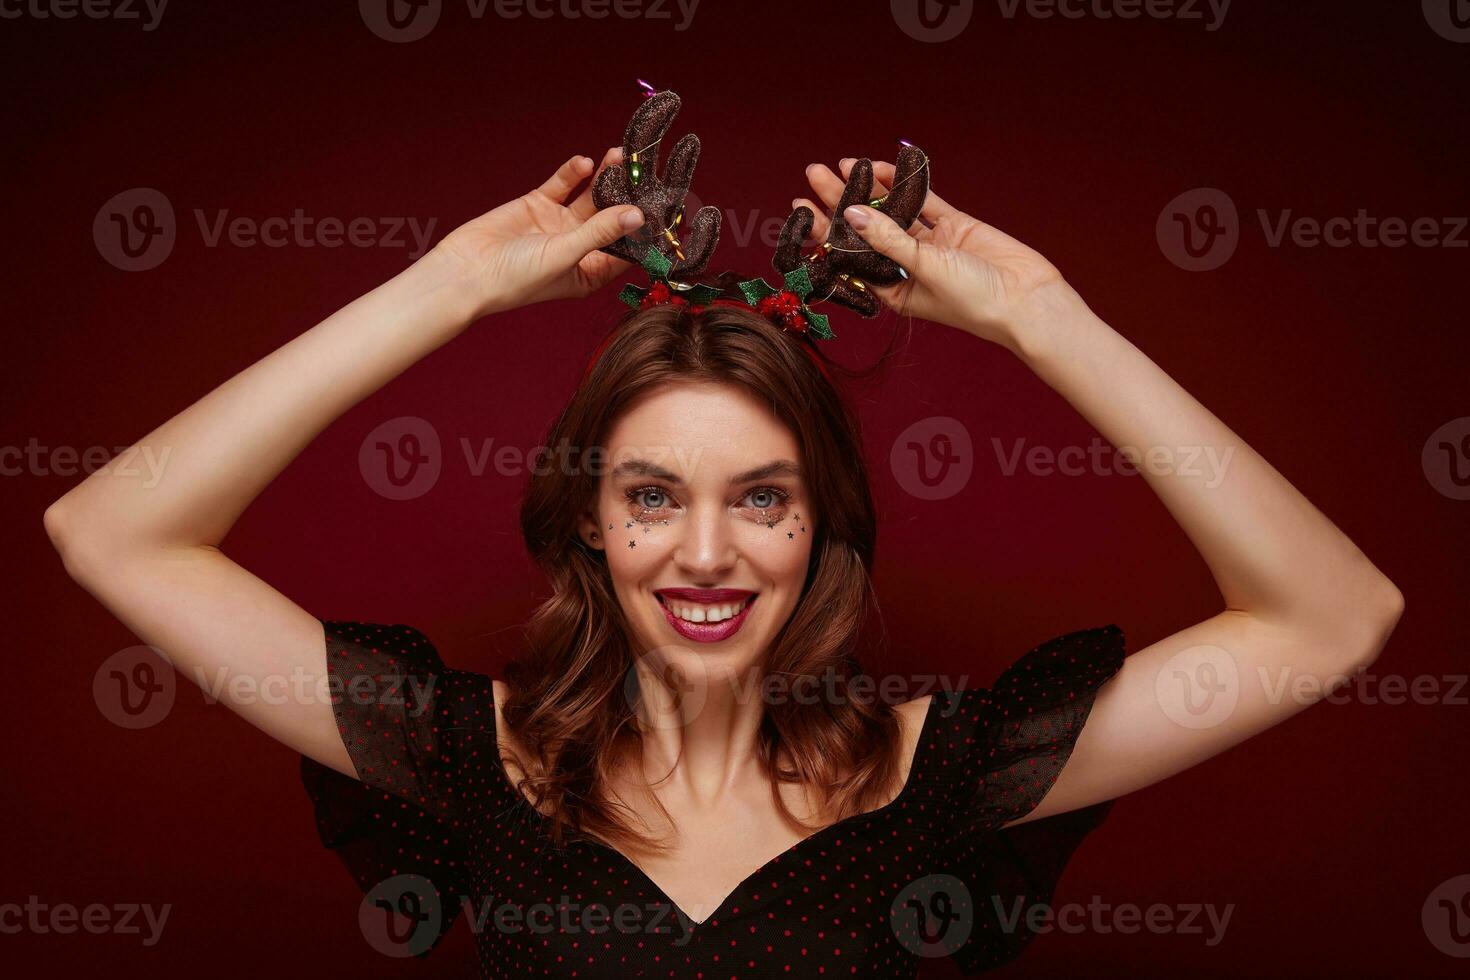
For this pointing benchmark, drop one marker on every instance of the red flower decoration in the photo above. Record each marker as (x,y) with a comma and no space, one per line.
(660,293)
(785,308)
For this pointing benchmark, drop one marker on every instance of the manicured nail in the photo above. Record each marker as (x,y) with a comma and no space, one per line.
(857,217)
(631,219)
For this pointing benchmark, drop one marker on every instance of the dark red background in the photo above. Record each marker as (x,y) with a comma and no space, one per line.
(1327,833)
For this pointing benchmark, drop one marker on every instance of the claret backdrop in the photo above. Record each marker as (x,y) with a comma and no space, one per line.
(1268,198)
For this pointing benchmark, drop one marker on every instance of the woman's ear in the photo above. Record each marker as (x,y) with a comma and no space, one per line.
(589,529)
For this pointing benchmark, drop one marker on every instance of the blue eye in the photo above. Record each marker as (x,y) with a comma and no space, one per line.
(648,503)
(773,497)
(639,498)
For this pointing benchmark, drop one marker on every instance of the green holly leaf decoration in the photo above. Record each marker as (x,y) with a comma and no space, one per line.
(799,283)
(755,290)
(700,294)
(818,324)
(657,264)
(632,295)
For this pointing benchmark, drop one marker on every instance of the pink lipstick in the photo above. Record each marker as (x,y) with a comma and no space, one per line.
(707,632)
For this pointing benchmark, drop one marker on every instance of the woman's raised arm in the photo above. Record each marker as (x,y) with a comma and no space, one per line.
(151,553)
(1303,608)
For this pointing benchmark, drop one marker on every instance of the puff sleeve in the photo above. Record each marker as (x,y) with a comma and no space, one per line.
(416,732)
(1004,749)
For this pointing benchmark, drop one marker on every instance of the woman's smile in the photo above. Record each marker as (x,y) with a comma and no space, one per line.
(705,615)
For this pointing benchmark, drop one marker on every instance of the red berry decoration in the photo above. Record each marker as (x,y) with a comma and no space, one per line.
(785,308)
(657,293)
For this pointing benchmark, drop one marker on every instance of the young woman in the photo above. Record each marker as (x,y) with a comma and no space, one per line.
(634,798)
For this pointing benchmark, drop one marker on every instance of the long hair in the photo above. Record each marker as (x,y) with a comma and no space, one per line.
(566,704)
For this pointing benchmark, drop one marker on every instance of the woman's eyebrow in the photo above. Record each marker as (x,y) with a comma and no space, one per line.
(647,468)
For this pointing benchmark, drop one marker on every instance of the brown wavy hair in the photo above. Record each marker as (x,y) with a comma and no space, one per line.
(566,704)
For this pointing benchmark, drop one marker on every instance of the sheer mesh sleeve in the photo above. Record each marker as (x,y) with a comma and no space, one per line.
(416,732)
(1006,747)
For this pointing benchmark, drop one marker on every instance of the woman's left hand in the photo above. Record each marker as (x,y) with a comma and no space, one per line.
(962,272)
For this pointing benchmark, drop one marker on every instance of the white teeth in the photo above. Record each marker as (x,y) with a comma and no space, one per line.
(707,614)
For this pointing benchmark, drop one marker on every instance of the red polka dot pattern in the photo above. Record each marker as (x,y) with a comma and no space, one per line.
(433,800)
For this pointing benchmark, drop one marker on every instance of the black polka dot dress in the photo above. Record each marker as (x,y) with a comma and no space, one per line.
(435,834)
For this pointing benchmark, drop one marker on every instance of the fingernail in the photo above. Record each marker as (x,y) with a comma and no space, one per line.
(847,160)
(857,217)
(631,219)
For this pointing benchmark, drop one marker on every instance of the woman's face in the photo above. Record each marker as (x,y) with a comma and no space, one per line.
(702,490)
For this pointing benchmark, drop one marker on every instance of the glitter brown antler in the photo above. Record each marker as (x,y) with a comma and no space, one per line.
(842,267)
(661,200)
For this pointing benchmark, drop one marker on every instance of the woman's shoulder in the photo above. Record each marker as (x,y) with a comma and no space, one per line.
(912,718)
(510,749)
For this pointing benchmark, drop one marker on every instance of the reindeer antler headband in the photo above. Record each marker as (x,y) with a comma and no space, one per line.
(839,271)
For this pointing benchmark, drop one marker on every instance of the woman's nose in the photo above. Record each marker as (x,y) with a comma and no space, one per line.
(706,544)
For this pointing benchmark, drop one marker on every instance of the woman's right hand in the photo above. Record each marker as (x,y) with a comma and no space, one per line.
(541,246)
(145,540)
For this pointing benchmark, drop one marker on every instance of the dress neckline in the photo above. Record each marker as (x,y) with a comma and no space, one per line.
(926,731)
